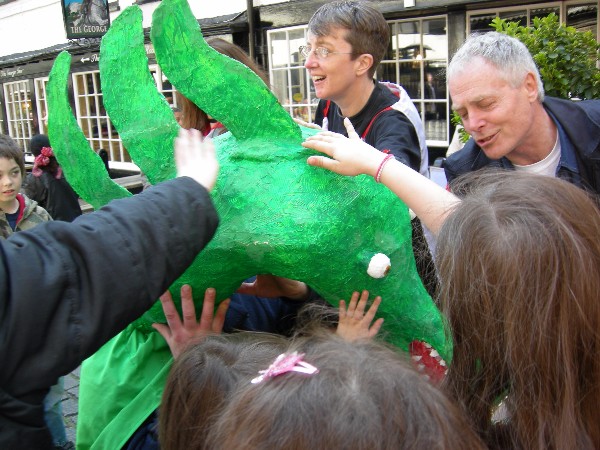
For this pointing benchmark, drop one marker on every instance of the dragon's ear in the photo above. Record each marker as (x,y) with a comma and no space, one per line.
(221,86)
(138,111)
(82,166)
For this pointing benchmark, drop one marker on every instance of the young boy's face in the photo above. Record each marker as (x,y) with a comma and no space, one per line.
(10,180)
(333,75)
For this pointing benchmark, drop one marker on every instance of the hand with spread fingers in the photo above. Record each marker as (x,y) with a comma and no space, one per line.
(347,155)
(195,157)
(354,323)
(180,334)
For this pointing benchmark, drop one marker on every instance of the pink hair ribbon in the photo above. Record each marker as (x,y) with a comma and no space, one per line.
(285,363)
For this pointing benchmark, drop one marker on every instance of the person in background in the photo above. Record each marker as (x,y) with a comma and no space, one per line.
(47,185)
(498,93)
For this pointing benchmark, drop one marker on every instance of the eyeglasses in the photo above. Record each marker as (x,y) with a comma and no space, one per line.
(320,52)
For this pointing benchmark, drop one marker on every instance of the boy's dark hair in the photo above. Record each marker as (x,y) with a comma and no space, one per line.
(10,150)
(368,32)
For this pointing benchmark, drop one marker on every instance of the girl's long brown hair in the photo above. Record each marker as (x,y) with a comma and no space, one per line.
(519,265)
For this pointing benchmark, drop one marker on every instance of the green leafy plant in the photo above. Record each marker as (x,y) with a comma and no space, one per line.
(566,58)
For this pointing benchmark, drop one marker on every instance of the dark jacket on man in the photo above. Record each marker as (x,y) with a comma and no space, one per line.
(579,132)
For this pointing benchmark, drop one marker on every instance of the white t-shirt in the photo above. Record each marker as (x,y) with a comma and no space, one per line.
(546,166)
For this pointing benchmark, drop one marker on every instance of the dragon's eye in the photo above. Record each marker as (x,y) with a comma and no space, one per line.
(379,266)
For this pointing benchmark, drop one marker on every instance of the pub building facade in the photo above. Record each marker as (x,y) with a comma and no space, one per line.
(424,35)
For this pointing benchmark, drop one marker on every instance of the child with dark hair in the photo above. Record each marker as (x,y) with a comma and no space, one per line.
(324,392)
(519,265)
(18,212)
(47,185)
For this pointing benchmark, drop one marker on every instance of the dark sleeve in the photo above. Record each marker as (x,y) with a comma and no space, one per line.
(461,162)
(66,288)
(34,188)
(319,113)
(393,131)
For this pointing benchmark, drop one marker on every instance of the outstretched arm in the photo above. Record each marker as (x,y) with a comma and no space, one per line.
(351,156)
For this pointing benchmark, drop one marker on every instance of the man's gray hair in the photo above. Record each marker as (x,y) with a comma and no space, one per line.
(509,55)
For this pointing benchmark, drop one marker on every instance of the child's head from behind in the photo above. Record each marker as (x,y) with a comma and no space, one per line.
(12,169)
(365,27)
(364,396)
(203,377)
(519,263)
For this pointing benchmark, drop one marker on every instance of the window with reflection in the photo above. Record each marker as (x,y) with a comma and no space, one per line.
(584,17)
(417,60)
(40,101)
(92,116)
(19,111)
(289,79)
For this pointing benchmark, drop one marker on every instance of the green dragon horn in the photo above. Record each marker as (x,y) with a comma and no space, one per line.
(82,166)
(213,81)
(145,120)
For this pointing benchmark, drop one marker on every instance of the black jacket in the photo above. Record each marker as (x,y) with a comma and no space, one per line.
(67,288)
(54,195)
(580,122)
(380,125)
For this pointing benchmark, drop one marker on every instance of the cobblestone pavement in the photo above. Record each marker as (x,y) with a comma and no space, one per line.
(70,403)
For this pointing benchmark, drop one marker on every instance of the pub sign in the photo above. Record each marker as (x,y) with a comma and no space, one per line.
(85,18)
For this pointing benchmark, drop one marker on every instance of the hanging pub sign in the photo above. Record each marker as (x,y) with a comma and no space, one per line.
(85,18)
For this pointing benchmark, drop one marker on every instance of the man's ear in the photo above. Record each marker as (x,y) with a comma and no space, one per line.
(363,63)
(531,87)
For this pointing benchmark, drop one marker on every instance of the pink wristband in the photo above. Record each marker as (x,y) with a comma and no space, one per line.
(381,166)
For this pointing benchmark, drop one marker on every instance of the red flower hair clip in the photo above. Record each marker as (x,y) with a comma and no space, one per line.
(42,160)
(285,363)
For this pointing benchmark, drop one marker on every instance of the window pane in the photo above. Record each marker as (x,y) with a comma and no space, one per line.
(410,78)
(387,71)
(584,17)
(481,22)
(17,96)
(297,38)
(279,50)
(93,119)
(435,39)
(409,41)
(515,16)
(542,12)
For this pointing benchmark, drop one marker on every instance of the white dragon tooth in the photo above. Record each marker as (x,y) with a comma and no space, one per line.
(434,353)
(427,345)
(416,358)
(442,363)
(421,367)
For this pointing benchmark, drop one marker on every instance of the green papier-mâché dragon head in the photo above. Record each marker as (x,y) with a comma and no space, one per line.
(278,215)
